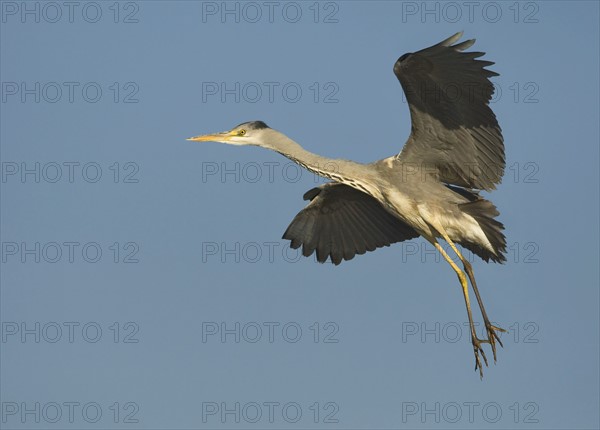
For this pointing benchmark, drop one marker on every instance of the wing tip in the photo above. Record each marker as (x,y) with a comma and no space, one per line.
(452,39)
(464,45)
(451,42)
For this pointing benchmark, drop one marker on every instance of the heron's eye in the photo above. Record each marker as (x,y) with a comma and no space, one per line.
(241,132)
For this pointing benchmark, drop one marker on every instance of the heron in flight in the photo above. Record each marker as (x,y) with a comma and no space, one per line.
(430,189)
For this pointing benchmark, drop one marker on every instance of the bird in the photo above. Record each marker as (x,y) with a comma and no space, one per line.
(431,188)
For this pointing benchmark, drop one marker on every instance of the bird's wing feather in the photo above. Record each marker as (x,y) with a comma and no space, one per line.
(340,222)
(454,131)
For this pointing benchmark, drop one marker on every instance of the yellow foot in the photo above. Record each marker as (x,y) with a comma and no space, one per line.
(493,336)
(478,350)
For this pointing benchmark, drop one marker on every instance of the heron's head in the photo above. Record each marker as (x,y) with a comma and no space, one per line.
(247,133)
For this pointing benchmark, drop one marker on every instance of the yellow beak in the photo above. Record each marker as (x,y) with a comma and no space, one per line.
(217,137)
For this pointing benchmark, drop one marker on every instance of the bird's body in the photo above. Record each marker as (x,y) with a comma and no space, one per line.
(404,190)
(430,189)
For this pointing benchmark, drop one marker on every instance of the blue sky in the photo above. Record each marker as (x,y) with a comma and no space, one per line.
(144,283)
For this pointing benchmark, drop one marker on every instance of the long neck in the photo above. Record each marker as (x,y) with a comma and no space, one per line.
(347,172)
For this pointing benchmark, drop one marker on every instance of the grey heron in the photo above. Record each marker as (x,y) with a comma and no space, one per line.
(430,189)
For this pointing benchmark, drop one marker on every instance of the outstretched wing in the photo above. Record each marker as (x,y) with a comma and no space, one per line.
(340,222)
(454,131)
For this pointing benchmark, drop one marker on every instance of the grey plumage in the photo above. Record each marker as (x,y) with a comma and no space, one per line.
(429,189)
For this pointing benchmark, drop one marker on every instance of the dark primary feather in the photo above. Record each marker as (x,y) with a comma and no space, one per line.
(340,222)
(453,128)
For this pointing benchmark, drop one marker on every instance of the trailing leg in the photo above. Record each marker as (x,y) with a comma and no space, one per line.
(465,289)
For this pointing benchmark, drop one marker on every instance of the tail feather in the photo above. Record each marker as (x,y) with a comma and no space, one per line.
(484,212)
